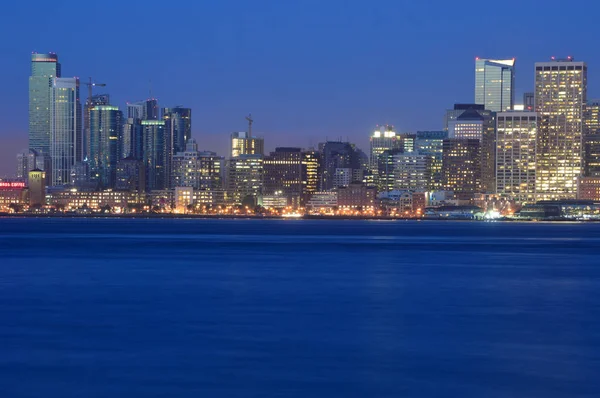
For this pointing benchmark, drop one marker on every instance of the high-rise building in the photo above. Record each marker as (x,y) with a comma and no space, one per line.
(106,123)
(516,137)
(480,125)
(242,143)
(131,143)
(143,110)
(382,140)
(100,99)
(156,154)
(179,126)
(461,165)
(560,97)
(66,140)
(431,143)
(245,178)
(494,83)
(591,117)
(529,101)
(131,175)
(592,155)
(459,109)
(412,171)
(337,155)
(283,174)
(199,170)
(311,168)
(386,179)
(44,68)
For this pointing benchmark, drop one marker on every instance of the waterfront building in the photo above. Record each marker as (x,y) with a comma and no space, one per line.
(284,174)
(13,195)
(37,187)
(156,154)
(245,178)
(179,127)
(72,199)
(326,200)
(44,69)
(516,137)
(199,170)
(461,168)
(494,83)
(560,98)
(589,188)
(412,171)
(431,143)
(184,198)
(106,123)
(311,167)
(356,196)
(243,143)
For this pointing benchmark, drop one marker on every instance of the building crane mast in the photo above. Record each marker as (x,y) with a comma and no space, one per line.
(250,121)
(90,85)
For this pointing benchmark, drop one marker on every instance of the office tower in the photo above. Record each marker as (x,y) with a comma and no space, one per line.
(44,68)
(37,187)
(143,110)
(516,136)
(529,101)
(592,155)
(245,179)
(337,155)
(243,143)
(131,143)
(457,110)
(27,161)
(407,142)
(66,141)
(591,117)
(480,125)
(91,102)
(283,174)
(412,171)
(106,123)
(386,178)
(560,97)
(81,177)
(198,170)
(461,165)
(494,82)
(311,169)
(131,175)
(431,143)
(156,154)
(179,126)
(382,140)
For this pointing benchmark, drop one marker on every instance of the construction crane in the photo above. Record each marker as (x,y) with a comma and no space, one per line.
(90,85)
(250,121)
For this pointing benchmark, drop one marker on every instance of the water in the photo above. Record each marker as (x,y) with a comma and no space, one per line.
(296,308)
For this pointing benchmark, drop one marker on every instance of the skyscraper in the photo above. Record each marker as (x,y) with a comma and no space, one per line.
(179,126)
(106,123)
(337,155)
(591,117)
(283,174)
(560,97)
(412,171)
(243,143)
(245,178)
(156,154)
(131,143)
(44,68)
(494,82)
(198,170)
(143,110)
(66,140)
(461,168)
(516,136)
(100,99)
(382,140)
(431,143)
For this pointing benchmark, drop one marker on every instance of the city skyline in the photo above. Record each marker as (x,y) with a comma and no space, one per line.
(294,99)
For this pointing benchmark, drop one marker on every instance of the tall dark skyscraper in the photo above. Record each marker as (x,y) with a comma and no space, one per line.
(106,123)
(90,103)
(179,126)
(461,165)
(339,159)
(143,110)
(156,154)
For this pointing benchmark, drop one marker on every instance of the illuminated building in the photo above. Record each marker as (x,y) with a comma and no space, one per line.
(44,68)
(591,153)
(245,178)
(459,109)
(283,174)
(311,166)
(382,140)
(37,187)
(323,200)
(72,199)
(591,117)
(560,97)
(480,125)
(106,123)
(516,136)
(243,143)
(179,127)
(461,168)
(356,196)
(199,170)
(131,143)
(66,141)
(386,178)
(95,100)
(184,197)
(589,188)
(337,155)
(494,83)
(130,175)
(431,143)
(156,154)
(412,171)
(13,195)
(528,101)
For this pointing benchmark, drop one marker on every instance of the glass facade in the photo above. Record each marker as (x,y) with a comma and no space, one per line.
(156,150)
(560,97)
(516,136)
(106,123)
(44,68)
(179,126)
(245,178)
(494,82)
(243,143)
(461,165)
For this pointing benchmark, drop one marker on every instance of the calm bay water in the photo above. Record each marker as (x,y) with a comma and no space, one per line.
(296,308)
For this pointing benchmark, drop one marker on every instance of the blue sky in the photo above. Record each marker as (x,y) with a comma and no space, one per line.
(307,70)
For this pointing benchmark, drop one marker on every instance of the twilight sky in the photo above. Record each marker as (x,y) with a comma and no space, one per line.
(307,70)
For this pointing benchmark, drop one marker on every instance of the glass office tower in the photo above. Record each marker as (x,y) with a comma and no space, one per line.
(494,83)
